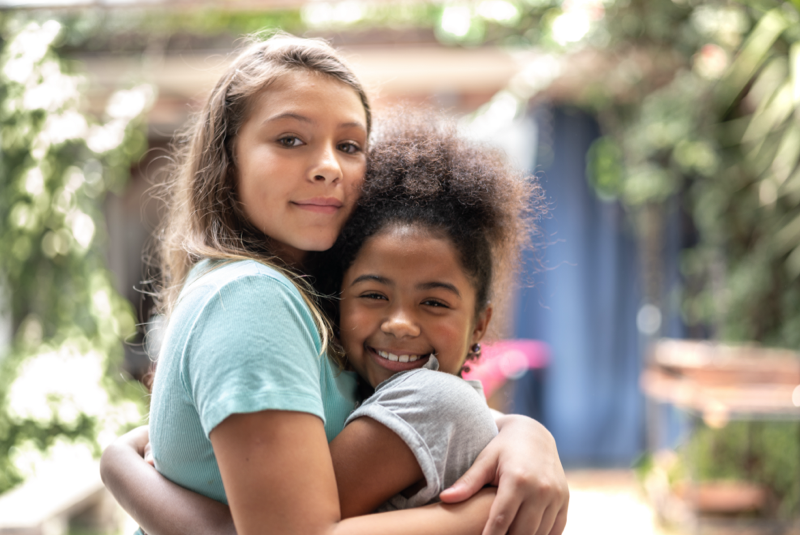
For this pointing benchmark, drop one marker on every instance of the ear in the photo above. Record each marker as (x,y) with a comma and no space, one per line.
(481,324)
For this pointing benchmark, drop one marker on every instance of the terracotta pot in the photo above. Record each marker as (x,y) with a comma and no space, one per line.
(723,497)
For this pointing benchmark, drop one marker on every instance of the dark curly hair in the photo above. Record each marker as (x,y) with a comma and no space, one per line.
(422,173)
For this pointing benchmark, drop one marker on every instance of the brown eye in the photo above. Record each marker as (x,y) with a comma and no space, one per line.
(290,141)
(349,148)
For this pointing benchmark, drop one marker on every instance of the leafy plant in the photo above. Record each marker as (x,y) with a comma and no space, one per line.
(767,453)
(57,376)
(720,136)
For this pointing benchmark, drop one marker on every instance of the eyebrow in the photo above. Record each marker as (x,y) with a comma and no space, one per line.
(304,119)
(424,286)
(289,115)
(437,284)
(373,278)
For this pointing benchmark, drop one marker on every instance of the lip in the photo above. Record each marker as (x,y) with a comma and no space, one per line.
(320,205)
(396,366)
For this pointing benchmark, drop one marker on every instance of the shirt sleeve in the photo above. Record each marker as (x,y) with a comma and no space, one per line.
(441,418)
(253,347)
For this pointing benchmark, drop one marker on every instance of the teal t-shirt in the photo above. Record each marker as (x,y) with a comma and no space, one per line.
(240,339)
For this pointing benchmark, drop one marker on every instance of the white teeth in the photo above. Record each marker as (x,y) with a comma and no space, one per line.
(389,356)
(398,358)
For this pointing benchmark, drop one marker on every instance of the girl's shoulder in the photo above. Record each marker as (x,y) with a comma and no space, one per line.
(215,271)
(243,296)
(211,276)
(450,396)
(237,291)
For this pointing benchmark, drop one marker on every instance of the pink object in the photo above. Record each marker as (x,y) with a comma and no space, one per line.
(507,359)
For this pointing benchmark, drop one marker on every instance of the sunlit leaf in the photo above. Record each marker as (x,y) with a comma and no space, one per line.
(788,152)
(793,263)
(765,120)
(789,235)
(753,53)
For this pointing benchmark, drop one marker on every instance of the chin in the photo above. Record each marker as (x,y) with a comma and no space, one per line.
(320,245)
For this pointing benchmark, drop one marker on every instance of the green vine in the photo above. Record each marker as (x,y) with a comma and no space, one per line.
(57,376)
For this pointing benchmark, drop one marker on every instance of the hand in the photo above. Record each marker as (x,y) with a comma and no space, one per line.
(139,440)
(522,461)
(148,455)
(156,503)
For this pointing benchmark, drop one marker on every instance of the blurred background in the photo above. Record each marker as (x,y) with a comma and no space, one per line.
(663,296)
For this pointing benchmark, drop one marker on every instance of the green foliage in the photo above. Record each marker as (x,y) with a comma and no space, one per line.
(698,104)
(56,165)
(767,453)
(702,105)
(605,168)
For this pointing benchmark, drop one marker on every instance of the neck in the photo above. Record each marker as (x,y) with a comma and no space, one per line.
(292,257)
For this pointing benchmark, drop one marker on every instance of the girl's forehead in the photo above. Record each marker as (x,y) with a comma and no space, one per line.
(298,89)
(416,247)
(402,230)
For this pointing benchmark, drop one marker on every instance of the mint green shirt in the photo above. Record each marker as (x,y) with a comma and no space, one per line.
(240,339)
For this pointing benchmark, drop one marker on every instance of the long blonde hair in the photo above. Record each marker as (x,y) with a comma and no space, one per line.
(204,217)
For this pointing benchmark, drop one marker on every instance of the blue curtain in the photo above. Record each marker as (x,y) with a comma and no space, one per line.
(583,303)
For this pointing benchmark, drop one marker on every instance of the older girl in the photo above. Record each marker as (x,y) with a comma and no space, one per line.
(243,405)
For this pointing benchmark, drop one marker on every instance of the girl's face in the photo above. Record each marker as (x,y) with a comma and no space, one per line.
(301,159)
(407,296)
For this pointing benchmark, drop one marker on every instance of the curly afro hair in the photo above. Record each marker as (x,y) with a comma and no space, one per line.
(422,173)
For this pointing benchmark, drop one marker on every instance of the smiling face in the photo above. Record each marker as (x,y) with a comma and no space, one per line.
(300,160)
(404,297)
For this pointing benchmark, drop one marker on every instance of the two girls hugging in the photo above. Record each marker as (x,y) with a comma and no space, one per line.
(279,409)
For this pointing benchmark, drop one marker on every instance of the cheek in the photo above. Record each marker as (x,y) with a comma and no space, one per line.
(451,339)
(353,185)
(353,323)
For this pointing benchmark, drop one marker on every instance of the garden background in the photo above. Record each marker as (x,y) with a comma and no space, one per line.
(665,132)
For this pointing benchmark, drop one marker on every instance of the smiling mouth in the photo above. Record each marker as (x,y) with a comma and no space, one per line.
(400,358)
(319,208)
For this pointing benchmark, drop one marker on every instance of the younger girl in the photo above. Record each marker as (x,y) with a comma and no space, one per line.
(243,404)
(431,243)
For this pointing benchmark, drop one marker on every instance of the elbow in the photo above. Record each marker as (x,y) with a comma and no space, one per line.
(106,464)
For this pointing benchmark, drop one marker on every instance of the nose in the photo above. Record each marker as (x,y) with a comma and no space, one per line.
(400,324)
(326,167)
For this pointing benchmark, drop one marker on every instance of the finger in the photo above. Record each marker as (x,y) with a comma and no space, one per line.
(560,523)
(530,519)
(148,455)
(505,509)
(526,522)
(136,438)
(548,519)
(481,473)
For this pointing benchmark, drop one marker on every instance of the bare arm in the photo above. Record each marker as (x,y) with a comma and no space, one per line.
(522,461)
(371,464)
(156,503)
(256,450)
(467,518)
(364,476)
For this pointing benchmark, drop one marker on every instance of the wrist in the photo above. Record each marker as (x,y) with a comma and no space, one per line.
(513,420)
